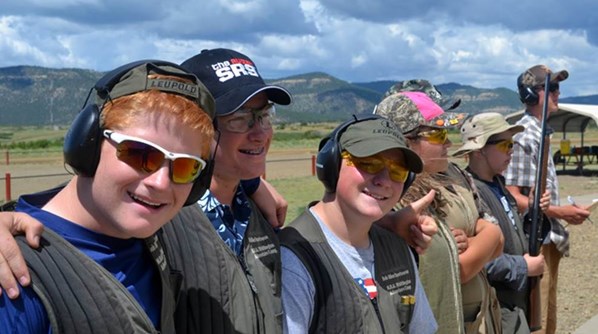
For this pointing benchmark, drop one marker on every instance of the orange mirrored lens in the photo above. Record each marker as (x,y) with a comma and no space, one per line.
(144,157)
(184,170)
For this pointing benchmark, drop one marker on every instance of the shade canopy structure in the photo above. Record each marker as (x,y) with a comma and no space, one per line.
(570,118)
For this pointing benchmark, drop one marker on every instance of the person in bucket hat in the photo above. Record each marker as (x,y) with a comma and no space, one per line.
(488,144)
(520,177)
(452,270)
(329,268)
(476,131)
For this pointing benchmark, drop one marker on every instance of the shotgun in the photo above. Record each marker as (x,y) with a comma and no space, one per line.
(534,314)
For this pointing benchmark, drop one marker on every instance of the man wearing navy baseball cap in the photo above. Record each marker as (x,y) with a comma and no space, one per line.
(233,79)
(235,282)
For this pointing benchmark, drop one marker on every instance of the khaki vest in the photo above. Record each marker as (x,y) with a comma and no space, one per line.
(481,308)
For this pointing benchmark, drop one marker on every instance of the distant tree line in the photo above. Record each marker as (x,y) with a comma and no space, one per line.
(35,144)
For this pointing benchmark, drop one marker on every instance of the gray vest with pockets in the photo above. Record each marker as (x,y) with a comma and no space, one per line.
(221,293)
(341,306)
(80,296)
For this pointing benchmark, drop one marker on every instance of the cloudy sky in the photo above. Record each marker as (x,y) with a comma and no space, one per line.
(484,43)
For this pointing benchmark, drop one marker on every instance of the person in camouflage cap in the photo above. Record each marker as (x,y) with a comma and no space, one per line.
(410,110)
(424,86)
(458,291)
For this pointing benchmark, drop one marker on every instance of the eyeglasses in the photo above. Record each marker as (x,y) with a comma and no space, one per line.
(553,87)
(436,136)
(503,145)
(244,119)
(376,163)
(146,156)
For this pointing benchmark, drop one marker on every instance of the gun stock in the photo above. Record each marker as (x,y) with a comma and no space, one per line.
(534,314)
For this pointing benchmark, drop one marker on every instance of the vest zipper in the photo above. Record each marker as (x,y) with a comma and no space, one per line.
(375,304)
(260,322)
(241,259)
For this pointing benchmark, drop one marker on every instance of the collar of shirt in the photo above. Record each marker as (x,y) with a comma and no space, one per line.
(528,120)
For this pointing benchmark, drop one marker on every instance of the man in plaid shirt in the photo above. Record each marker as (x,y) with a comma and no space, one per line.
(520,178)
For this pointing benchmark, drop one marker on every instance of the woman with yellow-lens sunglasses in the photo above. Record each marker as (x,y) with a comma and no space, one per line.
(452,269)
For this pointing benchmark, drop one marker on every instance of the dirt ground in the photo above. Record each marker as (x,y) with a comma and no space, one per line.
(578,279)
(578,273)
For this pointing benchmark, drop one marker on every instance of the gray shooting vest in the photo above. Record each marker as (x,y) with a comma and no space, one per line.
(80,296)
(341,306)
(220,292)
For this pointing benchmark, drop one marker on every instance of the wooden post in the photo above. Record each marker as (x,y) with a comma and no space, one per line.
(313,165)
(7,187)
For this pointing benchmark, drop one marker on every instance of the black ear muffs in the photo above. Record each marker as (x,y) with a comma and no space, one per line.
(201,184)
(83,140)
(527,94)
(328,160)
(410,179)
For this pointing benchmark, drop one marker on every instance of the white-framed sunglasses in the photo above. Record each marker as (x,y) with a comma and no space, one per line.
(143,155)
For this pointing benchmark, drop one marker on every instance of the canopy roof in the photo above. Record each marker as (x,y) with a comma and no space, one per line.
(569,118)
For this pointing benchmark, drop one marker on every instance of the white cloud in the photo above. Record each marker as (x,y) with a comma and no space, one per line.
(482,43)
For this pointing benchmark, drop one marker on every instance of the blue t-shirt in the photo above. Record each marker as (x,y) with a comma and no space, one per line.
(127,259)
(502,197)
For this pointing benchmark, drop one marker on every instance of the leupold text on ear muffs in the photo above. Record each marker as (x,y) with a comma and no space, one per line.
(527,94)
(83,140)
(328,160)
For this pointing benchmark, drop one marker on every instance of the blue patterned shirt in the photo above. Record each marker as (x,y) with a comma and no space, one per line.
(229,221)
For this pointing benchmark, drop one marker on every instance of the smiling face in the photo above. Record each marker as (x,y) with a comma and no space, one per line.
(243,155)
(369,195)
(127,202)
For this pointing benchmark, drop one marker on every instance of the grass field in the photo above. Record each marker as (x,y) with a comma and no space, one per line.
(289,169)
(289,165)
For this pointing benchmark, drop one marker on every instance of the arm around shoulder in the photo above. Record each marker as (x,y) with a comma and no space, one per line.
(12,264)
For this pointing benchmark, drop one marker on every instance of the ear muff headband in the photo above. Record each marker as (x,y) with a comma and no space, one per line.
(527,94)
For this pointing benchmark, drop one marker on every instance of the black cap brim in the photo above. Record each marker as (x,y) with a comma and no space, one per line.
(234,99)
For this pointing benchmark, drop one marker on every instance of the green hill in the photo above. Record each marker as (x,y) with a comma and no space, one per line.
(44,96)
